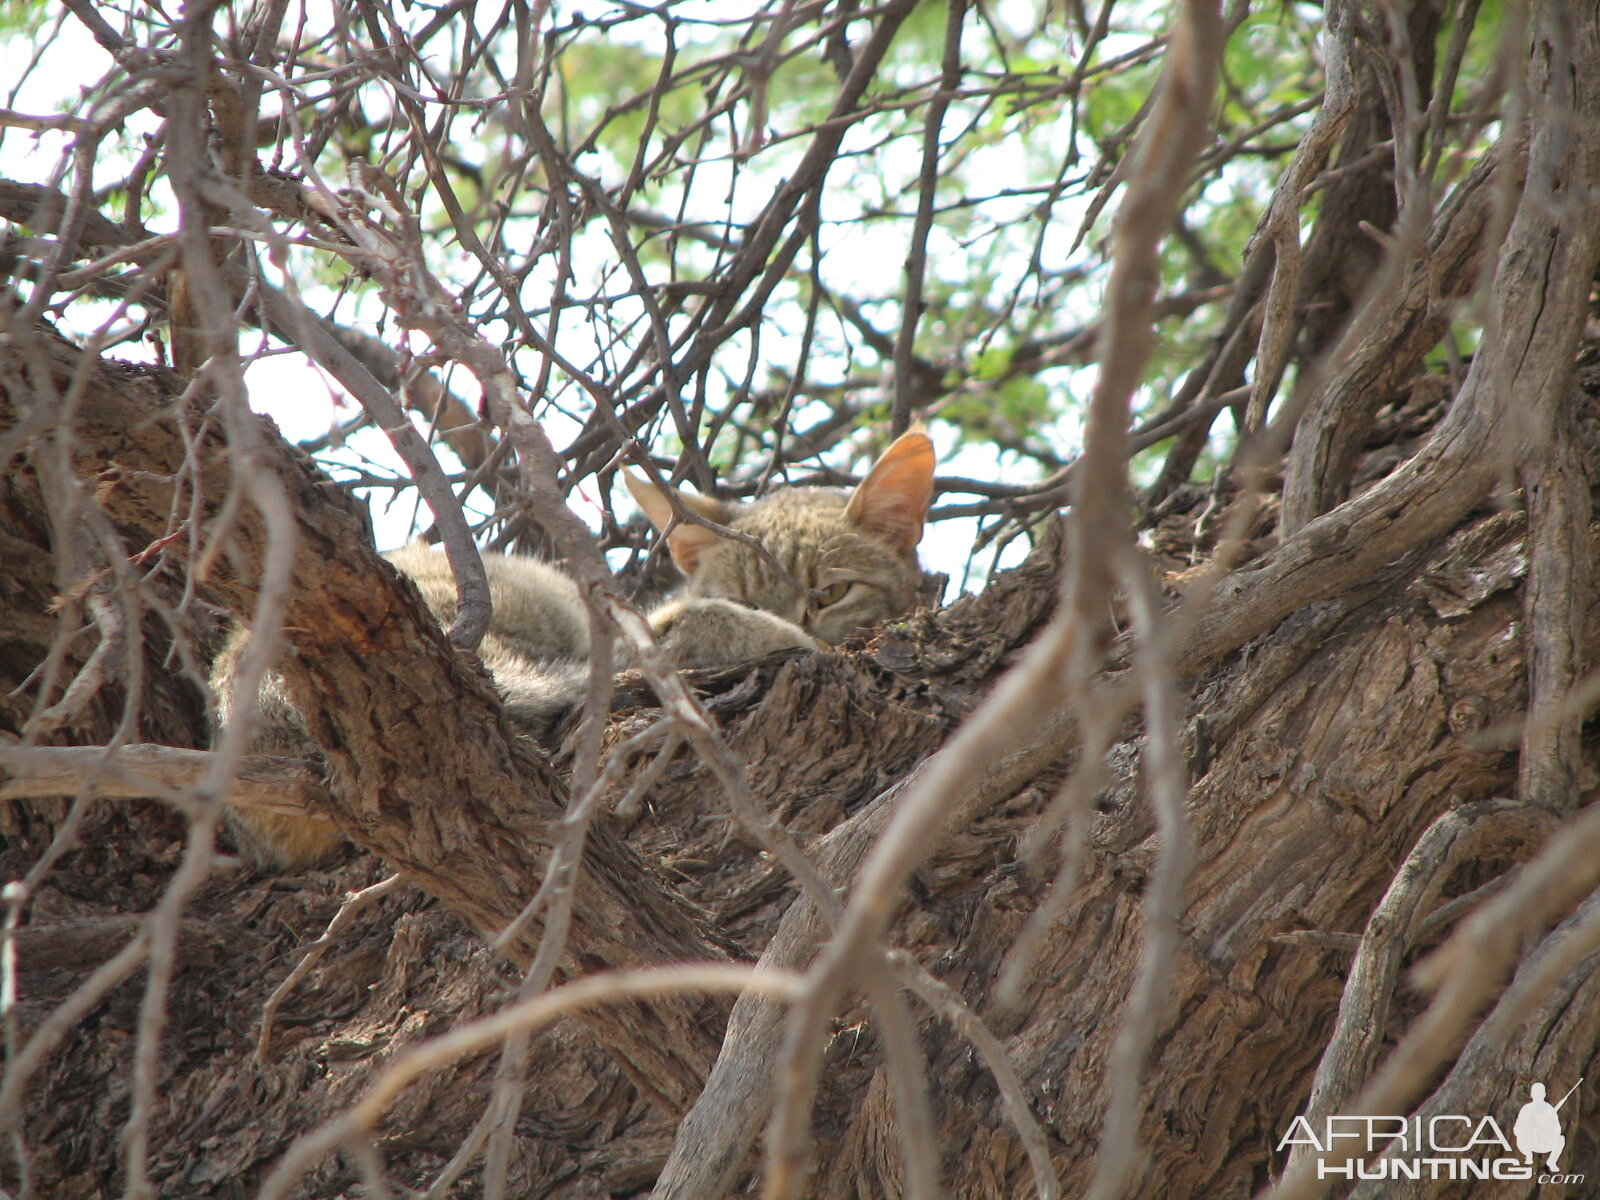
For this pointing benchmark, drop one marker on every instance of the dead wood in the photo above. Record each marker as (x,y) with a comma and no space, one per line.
(358,631)
(1390,686)
(1293,748)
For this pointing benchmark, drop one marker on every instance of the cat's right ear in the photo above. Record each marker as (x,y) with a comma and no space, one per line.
(686,542)
(892,501)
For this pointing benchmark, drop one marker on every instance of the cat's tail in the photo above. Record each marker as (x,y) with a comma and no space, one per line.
(538,694)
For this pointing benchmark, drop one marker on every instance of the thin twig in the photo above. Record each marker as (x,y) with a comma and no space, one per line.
(351,908)
(606,988)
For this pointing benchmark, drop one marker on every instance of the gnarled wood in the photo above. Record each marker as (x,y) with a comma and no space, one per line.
(423,768)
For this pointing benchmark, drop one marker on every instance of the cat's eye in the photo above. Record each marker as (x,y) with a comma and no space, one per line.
(832,594)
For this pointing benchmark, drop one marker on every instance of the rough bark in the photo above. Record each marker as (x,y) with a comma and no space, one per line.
(1382,669)
(424,768)
(1302,815)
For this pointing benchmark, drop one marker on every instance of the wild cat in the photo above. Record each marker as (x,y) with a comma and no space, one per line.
(853,555)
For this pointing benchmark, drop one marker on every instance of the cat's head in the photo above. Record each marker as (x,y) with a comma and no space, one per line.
(853,554)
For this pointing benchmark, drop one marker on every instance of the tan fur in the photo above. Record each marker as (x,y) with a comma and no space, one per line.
(270,837)
(853,556)
(863,543)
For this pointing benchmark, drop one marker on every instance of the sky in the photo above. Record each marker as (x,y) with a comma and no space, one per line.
(305,404)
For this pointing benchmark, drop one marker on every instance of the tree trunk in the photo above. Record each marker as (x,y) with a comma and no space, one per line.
(1320,757)
(1384,718)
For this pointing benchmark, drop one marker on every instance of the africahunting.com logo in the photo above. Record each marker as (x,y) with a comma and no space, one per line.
(1438,1147)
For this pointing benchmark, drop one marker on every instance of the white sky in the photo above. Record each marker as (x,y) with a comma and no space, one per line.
(304,404)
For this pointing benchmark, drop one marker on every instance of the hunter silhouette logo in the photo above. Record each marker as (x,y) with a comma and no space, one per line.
(1450,1146)
(1538,1128)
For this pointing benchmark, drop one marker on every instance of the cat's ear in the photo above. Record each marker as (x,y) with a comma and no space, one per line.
(893,499)
(686,542)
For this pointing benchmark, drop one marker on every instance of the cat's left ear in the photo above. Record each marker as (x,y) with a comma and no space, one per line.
(686,542)
(892,500)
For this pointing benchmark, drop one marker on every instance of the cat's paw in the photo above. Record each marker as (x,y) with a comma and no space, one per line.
(712,632)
